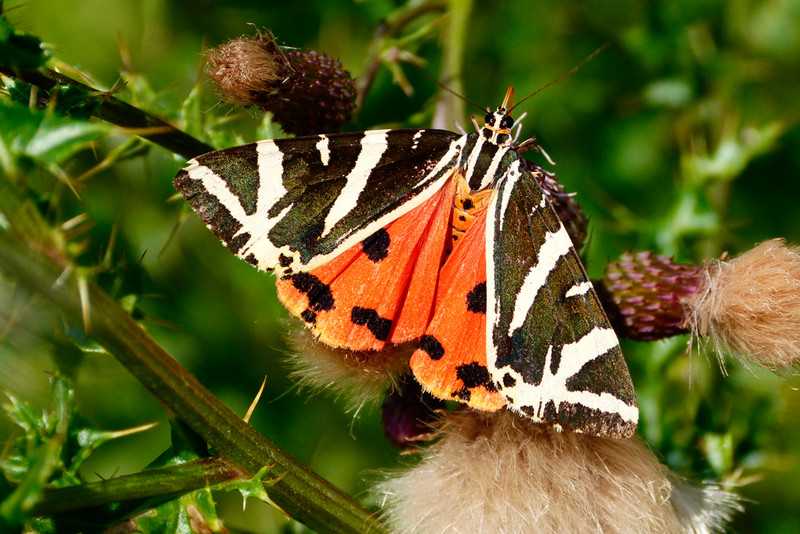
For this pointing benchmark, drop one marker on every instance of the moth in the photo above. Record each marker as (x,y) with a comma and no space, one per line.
(433,237)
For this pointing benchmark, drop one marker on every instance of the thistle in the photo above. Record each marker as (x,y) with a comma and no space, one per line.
(308,92)
(748,306)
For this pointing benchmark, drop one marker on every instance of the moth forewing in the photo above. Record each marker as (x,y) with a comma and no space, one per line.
(550,349)
(296,204)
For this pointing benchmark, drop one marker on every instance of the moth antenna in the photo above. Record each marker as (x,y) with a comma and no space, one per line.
(440,85)
(568,73)
(508,101)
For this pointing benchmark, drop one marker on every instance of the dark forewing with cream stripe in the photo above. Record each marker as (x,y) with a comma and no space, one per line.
(551,351)
(295,204)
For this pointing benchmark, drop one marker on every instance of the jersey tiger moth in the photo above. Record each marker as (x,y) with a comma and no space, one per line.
(388,236)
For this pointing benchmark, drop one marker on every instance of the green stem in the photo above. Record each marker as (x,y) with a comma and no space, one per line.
(450,108)
(300,492)
(117,112)
(384,34)
(165,481)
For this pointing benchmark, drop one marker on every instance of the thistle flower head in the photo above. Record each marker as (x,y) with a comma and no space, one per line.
(307,92)
(748,306)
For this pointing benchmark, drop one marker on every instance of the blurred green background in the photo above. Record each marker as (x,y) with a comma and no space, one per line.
(681,137)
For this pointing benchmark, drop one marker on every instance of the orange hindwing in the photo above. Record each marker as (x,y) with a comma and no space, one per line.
(381,290)
(450,361)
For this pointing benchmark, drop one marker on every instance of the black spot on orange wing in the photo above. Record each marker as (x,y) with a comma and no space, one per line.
(474,374)
(376,246)
(431,346)
(379,326)
(309,316)
(476,299)
(319,294)
(450,361)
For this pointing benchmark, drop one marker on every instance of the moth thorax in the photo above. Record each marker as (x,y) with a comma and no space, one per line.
(467,206)
(496,138)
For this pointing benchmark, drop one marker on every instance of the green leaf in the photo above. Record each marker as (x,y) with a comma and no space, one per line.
(49,452)
(251,488)
(43,461)
(35,457)
(58,138)
(42,136)
(189,513)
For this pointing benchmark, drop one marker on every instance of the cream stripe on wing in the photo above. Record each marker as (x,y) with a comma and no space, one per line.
(555,245)
(373,145)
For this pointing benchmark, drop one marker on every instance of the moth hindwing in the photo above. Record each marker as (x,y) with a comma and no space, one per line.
(447,240)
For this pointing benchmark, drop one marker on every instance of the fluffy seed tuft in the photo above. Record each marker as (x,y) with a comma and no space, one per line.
(358,377)
(703,509)
(750,305)
(500,473)
(247,69)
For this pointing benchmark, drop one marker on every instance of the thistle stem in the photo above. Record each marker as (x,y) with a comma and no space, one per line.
(300,492)
(117,112)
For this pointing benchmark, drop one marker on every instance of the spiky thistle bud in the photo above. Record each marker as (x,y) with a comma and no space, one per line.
(644,294)
(307,92)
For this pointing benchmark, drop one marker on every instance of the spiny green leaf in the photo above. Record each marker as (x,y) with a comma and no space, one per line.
(42,135)
(48,452)
(58,138)
(74,100)
(250,488)
(43,462)
(189,513)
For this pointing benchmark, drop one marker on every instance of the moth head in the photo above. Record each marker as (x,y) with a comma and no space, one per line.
(498,124)
(497,127)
